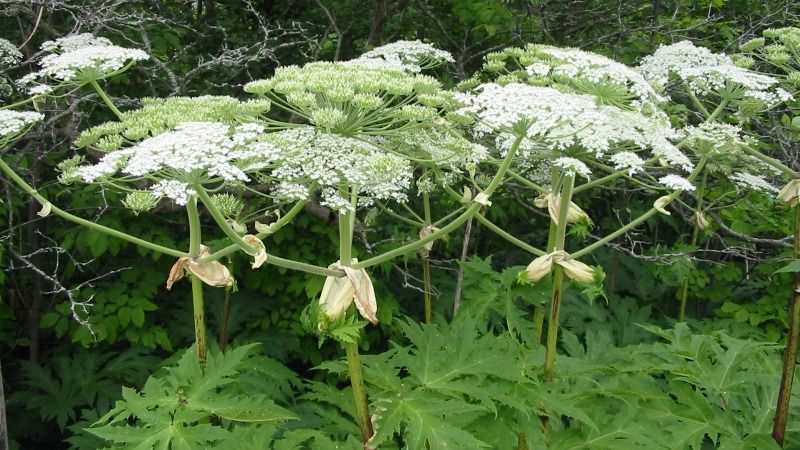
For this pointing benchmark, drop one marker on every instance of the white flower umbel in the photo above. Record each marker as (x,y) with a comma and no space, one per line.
(580,67)
(558,121)
(83,58)
(676,182)
(9,55)
(572,167)
(195,152)
(440,147)
(332,162)
(707,73)
(627,161)
(408,56)
(13,122)
(753,182)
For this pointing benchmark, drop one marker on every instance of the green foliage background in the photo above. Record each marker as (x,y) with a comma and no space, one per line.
(633,378)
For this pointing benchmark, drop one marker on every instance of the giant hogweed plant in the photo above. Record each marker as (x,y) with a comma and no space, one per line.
(354,134)
(192,151)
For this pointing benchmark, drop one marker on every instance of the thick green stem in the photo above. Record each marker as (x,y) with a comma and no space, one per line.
(695,237)
(470,211)
(197,284)
(790,354)
(28,189)
(558,277)
(426,263)
(106,99)
(359,393)
(346,222)
(222,223)
(538,310)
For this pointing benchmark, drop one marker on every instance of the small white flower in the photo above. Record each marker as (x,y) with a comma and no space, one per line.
(572,166)
(753,182)
(627,161)
(12,122)
(706,72)
(676,182)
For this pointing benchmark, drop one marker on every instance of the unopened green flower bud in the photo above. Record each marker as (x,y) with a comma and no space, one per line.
(303,99)
(256,106)
(494,66)
(340,94)
(417,113)
(135,133)
(259,87)
(109,143)
(69,169)
(328,118)
(140,201)
(468,84)
(742,61)
(367,102)
(227,204)
(794,78)
(778,57)
(752,44)
(508,79)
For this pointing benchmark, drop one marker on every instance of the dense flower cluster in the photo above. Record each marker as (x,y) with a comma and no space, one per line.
(193,153)
(580,68)
(12,122)
(9,55)
(706,72)
(407,56)
(349,99)
(559,121)
(159,115)
(757,183)
(611,82)
(440,147)
(82,58)
(332,163)
(676,182)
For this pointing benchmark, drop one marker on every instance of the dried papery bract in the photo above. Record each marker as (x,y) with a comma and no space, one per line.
(543,266)
(338,293)
(212,273)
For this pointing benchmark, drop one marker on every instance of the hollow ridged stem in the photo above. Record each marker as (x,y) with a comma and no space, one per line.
(198,309)
(790,353)
(558,277)
(106,99)
(426,263)
(28,189)
(354,369)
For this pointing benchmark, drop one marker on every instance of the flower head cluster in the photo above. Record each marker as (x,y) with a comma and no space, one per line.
(676,182)
(195,152)
(82,58)
(609,81)
(13,122)
(351,99)
(557,122)
(9,55)
(442,148)
(707,73)
(756,183)
(159,115)
(408,56)
(331,163)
